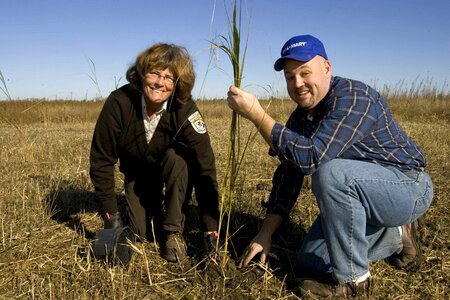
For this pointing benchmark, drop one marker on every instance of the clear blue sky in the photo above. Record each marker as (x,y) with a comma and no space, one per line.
(46,45)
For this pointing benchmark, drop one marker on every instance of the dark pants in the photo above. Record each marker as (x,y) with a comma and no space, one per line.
(161,193)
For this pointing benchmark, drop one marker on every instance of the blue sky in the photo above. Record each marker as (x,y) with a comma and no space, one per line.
(46,46)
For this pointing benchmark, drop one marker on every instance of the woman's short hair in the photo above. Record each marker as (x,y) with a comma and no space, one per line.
(165,56)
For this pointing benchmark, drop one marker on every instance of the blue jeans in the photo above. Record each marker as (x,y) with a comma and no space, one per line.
(361,206)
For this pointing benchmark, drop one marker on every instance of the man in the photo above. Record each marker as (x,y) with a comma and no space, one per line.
(367,174)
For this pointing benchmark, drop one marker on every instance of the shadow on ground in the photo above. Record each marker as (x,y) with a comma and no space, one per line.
(67,202)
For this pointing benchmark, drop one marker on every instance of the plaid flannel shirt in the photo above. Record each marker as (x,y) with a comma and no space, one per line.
(353,121)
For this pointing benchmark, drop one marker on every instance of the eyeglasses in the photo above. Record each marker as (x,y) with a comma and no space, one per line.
(155,75)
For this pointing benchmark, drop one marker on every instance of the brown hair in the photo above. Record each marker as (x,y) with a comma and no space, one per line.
(162,56)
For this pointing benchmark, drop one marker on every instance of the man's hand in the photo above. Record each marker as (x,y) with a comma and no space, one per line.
(245,104)
(262,242)
(259,244)
(112,221)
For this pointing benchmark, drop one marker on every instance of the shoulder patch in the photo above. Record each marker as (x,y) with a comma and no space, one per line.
(197,122)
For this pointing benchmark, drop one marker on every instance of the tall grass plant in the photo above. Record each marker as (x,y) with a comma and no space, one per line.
(231,46)
(4,87)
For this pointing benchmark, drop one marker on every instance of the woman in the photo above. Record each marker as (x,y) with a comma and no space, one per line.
(154,128)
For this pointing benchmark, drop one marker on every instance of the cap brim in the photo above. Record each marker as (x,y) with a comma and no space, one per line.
(279,64)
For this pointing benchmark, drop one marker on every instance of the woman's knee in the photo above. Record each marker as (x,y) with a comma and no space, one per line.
(173,162)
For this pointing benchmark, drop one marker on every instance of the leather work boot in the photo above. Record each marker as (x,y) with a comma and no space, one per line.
(315,288)
(410,257)
(174,247)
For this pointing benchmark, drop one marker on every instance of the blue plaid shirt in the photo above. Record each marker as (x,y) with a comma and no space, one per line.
(353,121)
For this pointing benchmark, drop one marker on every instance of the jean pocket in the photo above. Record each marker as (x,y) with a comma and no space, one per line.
(424,201)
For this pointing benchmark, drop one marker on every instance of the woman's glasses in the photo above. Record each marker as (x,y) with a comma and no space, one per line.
(155,75)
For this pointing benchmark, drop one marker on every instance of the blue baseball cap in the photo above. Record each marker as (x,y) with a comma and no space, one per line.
(300,48)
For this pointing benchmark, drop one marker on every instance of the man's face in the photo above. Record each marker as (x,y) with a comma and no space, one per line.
(307,82)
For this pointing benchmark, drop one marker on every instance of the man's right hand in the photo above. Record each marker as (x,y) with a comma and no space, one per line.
(112,221)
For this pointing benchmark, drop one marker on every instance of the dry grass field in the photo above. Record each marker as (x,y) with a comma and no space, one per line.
(48,214)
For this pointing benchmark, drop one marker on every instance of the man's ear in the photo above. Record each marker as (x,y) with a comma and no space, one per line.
(327,67)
